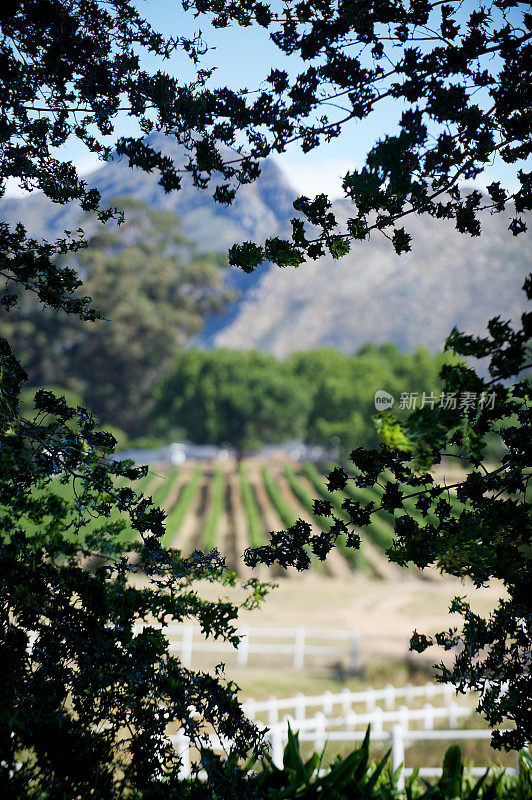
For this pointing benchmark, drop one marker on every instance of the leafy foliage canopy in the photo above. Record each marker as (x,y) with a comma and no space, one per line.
(479,527)
(86,696)
(460,75)
(153,290)
(248,399)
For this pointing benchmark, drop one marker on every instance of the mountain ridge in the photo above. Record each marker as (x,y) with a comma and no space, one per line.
(371,295)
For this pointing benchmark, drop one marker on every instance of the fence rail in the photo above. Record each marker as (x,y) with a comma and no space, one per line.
(399,726)
(296,643)
(320,728)
(370,698)
(399,737)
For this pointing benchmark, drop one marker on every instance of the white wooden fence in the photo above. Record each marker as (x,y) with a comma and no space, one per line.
(400,726)
(329,702)
(399,738)
(294,645)
(320,729)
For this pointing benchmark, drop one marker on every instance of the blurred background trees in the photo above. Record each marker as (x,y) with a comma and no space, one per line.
(153,290)
(248,399)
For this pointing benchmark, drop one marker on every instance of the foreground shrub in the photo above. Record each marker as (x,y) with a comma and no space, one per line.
(356,776)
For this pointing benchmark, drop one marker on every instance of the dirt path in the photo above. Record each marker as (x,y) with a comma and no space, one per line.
(335,565)
(269,516)
(239,525)
(224,538)
(182,478)
(201,515)
(185,538)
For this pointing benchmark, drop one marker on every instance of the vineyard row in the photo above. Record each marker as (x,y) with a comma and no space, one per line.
(219,505)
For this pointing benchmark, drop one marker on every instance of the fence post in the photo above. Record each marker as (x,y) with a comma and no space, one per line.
(319,734)
(346,701)
(327,702)
(403,717)
(275,736)
(453,715)
(273,711)
(449,694)
(389,696)
(350,720)
(370,699)
(300,707)
(354,640)
(398,753)
(243,648)
(186,645)
(428,717)
(249,708)
(299,648)
(377,721)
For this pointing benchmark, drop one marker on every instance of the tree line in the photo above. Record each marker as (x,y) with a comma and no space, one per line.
(151,281)
(135,374)
(322,396)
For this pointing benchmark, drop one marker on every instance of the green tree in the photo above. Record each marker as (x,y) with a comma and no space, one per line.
(343,388)
(154,291)
(86,698)
(336,407)
(244,398)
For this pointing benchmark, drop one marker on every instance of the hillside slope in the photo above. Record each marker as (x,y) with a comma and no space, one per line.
(371,295)
(260,209)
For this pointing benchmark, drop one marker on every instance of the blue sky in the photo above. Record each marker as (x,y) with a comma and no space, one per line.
(243,58)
